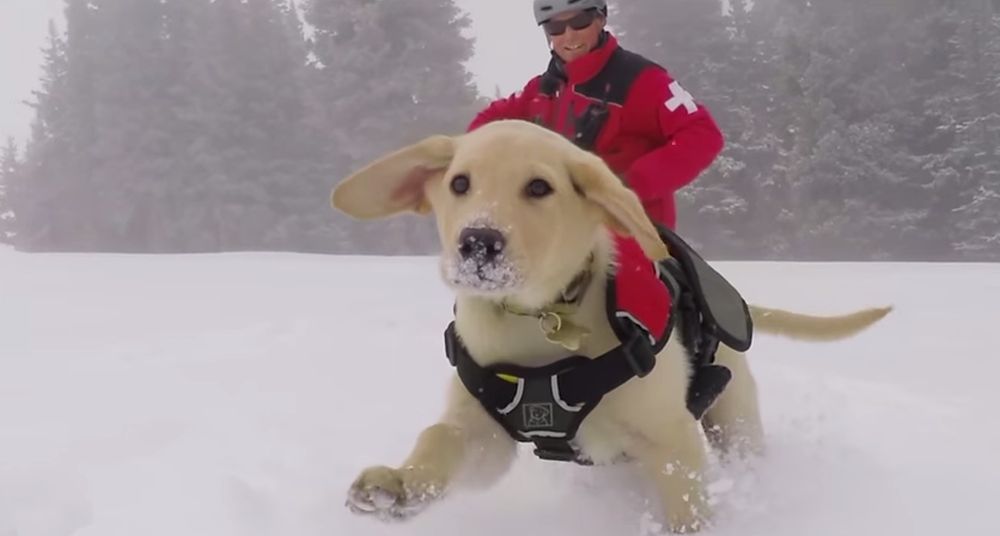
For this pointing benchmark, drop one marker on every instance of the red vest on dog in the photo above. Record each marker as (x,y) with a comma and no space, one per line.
(639,293)
(655,136)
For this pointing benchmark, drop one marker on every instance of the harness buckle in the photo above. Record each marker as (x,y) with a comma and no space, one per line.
(556,455)
(638,353)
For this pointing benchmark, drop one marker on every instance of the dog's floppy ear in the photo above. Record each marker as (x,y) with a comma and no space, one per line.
(395,182)
(623,210)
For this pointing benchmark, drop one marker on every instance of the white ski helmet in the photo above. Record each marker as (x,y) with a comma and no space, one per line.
(546,9)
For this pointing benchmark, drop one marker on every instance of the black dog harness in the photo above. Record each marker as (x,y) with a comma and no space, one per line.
(546,405)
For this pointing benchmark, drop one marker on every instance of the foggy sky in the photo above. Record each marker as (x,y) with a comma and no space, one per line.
(509,49)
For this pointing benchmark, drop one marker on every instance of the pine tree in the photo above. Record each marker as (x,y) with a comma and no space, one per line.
(247,167)
(130,148)
(172,126)
(855,130)
(42,223)
(854,178)
(305,224)
(100,139)
(973,76)
(89,128)
(245,172)
(392,72)
(387,74)
(9,176)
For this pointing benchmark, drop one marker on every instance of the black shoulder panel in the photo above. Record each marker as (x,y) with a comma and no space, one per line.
(615,79)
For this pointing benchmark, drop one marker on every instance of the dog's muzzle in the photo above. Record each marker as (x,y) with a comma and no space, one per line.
(481,261)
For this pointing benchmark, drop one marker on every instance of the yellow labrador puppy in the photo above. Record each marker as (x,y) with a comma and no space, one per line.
(520,212)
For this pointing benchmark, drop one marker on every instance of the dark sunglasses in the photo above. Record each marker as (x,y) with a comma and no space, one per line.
(579,22)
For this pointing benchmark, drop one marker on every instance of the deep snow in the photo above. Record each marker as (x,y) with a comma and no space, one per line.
(240,394)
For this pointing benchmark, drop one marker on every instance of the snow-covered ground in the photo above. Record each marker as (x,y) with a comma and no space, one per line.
(240,394)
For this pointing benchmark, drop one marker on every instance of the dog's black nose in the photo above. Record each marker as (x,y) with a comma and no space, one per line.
(481,244)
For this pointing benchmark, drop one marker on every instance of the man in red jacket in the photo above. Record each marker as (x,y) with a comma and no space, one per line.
(652,133)
(618,104)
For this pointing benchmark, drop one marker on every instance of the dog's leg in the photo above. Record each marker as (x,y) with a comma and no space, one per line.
(733,423)
(676,465)
(466,447)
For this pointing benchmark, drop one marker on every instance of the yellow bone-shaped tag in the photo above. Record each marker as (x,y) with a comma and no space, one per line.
(562,332)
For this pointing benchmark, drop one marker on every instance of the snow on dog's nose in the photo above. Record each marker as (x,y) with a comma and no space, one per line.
(482,263)
(481,245)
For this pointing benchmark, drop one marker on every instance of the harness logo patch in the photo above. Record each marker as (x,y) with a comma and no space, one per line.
(538,415)
(680,98)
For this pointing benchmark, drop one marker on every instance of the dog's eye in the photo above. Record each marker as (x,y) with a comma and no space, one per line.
(538,188)
(460,184)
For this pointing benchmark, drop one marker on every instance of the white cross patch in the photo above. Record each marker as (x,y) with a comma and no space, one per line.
(680,98)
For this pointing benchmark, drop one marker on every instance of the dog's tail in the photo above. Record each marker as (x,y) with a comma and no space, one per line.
(814,328)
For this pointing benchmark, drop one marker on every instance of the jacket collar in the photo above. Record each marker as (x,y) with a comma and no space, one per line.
(587,66)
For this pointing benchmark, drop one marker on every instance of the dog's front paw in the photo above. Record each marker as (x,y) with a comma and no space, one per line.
(391,494)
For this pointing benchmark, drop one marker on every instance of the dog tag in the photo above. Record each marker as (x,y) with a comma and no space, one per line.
(562,332)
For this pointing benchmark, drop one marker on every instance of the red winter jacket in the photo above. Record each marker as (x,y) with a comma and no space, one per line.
(656,136)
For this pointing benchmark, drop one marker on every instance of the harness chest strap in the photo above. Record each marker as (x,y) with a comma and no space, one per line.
(546,405)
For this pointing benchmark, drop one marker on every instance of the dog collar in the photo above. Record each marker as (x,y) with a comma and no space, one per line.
(554,318)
